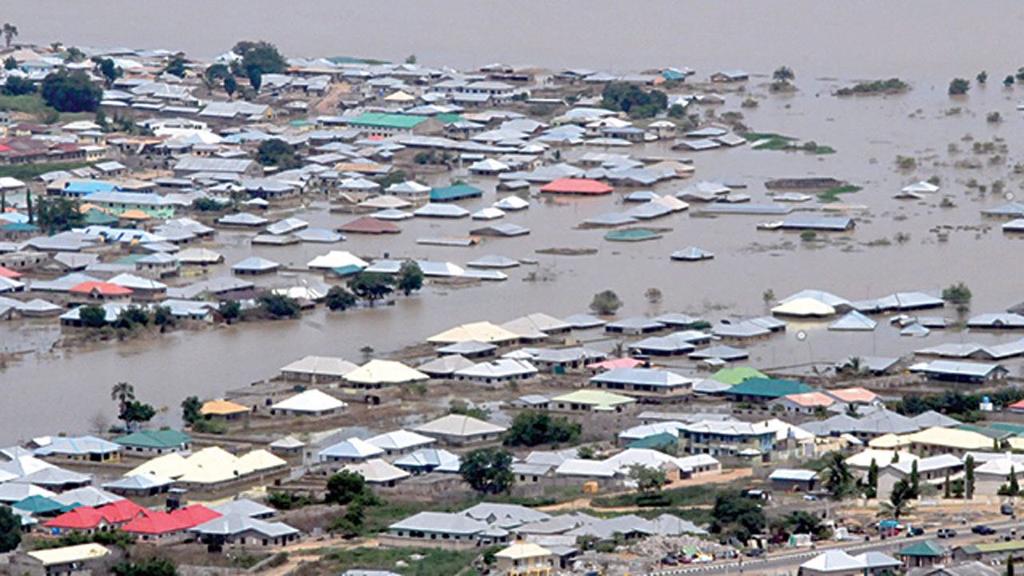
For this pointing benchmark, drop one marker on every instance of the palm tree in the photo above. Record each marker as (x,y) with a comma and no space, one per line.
(838,478)
(899,500)
(10,31)
(122,393)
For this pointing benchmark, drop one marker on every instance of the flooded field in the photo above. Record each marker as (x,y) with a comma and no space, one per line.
(868,134)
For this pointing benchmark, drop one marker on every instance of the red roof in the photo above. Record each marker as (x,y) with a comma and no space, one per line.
(1018,405)
(614,363)
(121,511)
(369,225)
(77,519)
(102,288)
(194,515)
(576,186)
(154,522)
(8,273)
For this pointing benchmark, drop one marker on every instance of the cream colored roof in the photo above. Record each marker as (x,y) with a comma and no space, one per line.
(377,470)
(208,466)
(474,332)
(598,398)
(882,458)
(168,466)
(951,438)
(459,425)
(384,372)
(320,365)
(889,441)
(69,554)
(523,550)
(260,460)
(311,400)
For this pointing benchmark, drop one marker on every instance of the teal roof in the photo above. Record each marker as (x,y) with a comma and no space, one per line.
(346,270)
(631,235)
(769,388)
(655,441)
(400,121)
(926,549)
(19,227)
(43,505)
(1015,429)
(454,192)
(100,218)
(991,432)
(162,439)
(448,118)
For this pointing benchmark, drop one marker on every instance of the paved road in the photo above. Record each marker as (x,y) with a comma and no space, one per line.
(789,562)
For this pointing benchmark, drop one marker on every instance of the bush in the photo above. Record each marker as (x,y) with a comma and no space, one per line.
(958,87)
(16,86)
(278,306)
(339,299)
(344,487)
(71,92)
(92,316)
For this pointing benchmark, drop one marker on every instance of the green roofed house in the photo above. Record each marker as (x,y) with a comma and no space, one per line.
(18,230)
(765,389)
(97,217)
(987,552)
(42,506)
(736,375)
(926,553)
(655,441)
(376,124)
(454,192)
(155,442)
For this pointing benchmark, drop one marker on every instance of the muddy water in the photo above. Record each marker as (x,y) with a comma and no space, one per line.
(49,392)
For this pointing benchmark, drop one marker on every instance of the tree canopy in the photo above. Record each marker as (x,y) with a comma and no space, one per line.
(340,299)
(261,56)
(605,303)
(735,515)
(410,277)
(344,487)
(18,86)
(10,530)
(277,152)
(71,92)
(531,428)
(371,286)
(487,470)
(633,100)
(58,214)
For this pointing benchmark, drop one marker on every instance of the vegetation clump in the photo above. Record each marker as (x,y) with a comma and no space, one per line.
(889,86)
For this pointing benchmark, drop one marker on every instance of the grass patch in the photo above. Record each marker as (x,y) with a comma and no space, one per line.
(26,104)
(775,141)
(28,172)
(832,194)
(434,562)
(686,496)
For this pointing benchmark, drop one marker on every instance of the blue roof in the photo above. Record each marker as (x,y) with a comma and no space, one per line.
(455,192)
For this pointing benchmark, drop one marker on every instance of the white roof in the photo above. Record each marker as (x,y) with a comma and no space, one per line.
(309,401)
(384,372)
(376,470)
(325,365)
(459,425)
(833,561)
(400,440)
(804,307)
(853,320)
(352,448)
(336,259)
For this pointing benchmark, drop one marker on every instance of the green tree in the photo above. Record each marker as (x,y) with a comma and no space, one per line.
(969,477)
(230,85)
(261,56)
(487,470)
(947,487)
(190,408)
(410,277)
(10,32)
(230,310)
(959,295)
(18,86)
(73,55)
(982,77)
(177,66)
(958,87)
(605,303)
(899,500)
(109,70)
(92,316)
(122,393)
(136,412)
(837,477)
(10,530)
(648,479)
(344,487)
(58,214)
(279,306)
(10,63)
(277,152)
(734,515)
(340,299)
(533,428)
(915,480)
(801,522)
(871,490)
(216,73)
(371,286)
(783,74)
(410,59)
(131,317)
(68,91)
(255,78)
(1008,81)
(147,567)
(634,101)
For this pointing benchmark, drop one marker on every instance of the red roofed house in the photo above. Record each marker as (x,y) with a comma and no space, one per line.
(154,525)
(369,225)
(8,273)
(121,512)
(101,290)
(1017,407)
(582,186)
(87,520)
(805,403)
(194,515)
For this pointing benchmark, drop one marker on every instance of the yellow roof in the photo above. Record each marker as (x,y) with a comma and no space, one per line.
(69,554)
(951,438)
(474,332)
(597,398)
(384,372)
(522,550)
(221,408)
(889,441)
(259,460)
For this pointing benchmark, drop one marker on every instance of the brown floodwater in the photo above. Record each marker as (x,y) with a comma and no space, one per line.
(925,43)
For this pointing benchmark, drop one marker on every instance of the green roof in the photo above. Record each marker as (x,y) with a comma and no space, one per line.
(157,439)
(991,432)
(655,441)
(994,547)
(926,549)
(454,192)
(19,227)
(43,505)
(99,218)
(631,235)
(1015,429)
(448,118)
(736,375)
(769,388)
(399,121)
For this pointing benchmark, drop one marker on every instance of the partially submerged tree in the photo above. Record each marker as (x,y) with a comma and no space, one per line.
(605,303)
(371,286)
(410,277)
(958,87)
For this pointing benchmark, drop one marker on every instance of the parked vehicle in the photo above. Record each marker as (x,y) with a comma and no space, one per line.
(983,530)
(946,533)
(915,531)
